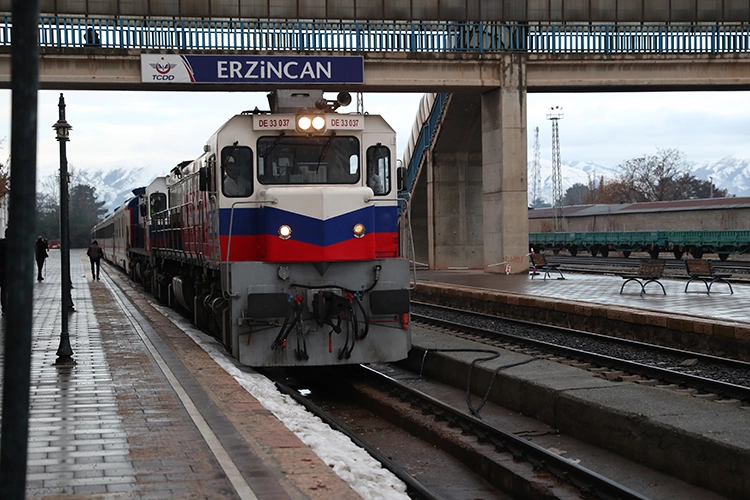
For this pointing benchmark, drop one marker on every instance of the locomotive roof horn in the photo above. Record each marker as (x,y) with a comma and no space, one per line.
(342,99)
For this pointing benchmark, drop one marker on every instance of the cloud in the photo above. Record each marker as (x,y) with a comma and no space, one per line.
(159,129)
(610,128)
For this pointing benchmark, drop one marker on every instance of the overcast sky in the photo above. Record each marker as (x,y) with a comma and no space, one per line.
(157,130)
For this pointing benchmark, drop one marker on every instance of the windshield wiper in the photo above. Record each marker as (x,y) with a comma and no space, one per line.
(325,148)
(273,145)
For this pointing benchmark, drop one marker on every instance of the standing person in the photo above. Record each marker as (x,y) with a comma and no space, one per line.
(95,254)
(41,256)
(234,183)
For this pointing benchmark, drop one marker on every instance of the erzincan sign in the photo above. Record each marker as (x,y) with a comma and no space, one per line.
(172,68)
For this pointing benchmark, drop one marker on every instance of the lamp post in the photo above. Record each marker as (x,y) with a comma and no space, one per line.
(62,129)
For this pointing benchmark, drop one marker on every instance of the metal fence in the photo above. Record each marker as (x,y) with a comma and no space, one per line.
(351,36)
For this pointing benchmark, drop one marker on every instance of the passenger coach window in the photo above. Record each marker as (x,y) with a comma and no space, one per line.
(237,171)
(308,160)
(379,169)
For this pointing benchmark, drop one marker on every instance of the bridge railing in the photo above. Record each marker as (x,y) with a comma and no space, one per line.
(351,36)
(431,110)
(659,39)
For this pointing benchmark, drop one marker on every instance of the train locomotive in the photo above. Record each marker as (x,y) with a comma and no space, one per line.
(282,239)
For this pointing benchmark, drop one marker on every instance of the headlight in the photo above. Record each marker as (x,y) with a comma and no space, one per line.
(285,232)
(304,122)
(359,230)
(311,123)
(318,122)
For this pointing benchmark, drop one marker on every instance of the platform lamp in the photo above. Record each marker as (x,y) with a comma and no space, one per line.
(62,129)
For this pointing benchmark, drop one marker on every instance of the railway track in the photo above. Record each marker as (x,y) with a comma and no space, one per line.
(429,440)
(707,375)
(449,453)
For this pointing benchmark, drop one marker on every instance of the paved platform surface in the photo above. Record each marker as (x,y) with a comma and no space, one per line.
(115,426)
(605,290)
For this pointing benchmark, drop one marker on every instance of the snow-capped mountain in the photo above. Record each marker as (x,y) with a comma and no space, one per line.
(114,187)
(577,172)
(730,173)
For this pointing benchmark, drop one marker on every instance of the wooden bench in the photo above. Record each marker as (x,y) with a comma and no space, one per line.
(539,264)
(649,271)
(703,269)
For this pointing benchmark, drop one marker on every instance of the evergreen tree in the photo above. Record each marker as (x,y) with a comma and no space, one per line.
(577,194)
(85,211)
(48,216)
(539,203)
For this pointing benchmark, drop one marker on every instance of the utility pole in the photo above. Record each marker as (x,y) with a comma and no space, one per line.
(535,168)
(555,114)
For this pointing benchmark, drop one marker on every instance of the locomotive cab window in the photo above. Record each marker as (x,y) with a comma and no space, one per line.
(158,202)
(308,160)
(237,171)
(379,169)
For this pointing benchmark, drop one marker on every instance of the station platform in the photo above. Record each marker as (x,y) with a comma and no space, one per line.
(605,290)
(718,323)
(146,412)
(149,415)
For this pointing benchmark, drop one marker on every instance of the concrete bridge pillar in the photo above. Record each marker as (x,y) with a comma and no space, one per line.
(469,208)
(504,171)
(453,179)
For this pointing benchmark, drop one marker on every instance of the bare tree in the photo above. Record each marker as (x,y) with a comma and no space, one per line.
(50,184)
(4,172)
(660,177)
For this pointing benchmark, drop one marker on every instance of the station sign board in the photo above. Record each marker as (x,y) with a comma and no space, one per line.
(233,69)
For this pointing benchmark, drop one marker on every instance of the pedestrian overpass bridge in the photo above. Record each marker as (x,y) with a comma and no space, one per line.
(469,203)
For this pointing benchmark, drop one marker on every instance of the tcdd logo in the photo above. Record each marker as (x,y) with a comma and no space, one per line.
(163,68)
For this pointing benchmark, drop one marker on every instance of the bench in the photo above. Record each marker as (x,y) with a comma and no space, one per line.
(539,264)
(703,269)
(649,271)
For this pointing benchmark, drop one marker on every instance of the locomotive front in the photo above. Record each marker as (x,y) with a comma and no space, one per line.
(306,231)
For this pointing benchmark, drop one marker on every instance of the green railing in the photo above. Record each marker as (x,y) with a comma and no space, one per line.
(389,36)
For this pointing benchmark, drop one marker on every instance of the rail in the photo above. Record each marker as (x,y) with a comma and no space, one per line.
(386,36)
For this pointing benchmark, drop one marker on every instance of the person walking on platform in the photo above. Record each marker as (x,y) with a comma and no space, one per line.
(41,256)
(95,254)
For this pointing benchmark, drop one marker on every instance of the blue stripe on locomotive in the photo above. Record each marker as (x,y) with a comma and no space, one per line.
(252,222)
